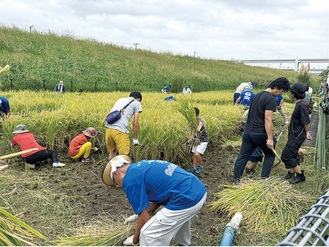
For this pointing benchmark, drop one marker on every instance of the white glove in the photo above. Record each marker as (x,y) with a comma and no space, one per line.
(129,241)
(95,149)
(131,218)
(135,142)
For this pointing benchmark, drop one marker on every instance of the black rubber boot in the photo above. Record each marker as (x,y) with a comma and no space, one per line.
(289,175)
(298,178)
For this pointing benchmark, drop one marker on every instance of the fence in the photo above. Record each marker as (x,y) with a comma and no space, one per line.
(313,228)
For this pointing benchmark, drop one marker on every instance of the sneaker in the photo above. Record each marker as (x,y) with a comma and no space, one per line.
(192,170)
(236,181)
(58,164)
(289,175)
(86,160)
(298,178)
(199,169)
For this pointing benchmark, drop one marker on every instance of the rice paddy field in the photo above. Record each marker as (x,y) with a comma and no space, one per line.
(71,205)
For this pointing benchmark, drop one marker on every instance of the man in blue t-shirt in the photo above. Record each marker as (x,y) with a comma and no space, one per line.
(150,184)
(258,130)
(4,107)
(279,107)
(246,97)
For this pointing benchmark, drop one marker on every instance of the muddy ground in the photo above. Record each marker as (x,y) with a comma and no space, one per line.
(94,201)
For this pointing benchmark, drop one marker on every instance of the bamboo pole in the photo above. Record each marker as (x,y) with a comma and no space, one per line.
(17,154)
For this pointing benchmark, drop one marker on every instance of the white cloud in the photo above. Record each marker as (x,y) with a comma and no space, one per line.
(225,29)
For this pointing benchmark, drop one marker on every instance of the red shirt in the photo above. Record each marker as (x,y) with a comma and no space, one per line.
(26,141)
(76,144)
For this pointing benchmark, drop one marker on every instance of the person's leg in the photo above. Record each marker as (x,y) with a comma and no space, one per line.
(246,149)
(268,153)
(197,159)
(84,151)
(109,142)
(122,142)
(41,155)
(166,224)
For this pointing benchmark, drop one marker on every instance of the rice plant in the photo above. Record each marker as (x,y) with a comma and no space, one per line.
(98,234)
(267,205)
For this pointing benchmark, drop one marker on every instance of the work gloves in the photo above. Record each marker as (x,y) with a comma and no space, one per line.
(95,149)
(129,241)
(131,218)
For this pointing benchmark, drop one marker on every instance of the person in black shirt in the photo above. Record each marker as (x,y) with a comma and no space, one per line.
(258,130)
(297,132)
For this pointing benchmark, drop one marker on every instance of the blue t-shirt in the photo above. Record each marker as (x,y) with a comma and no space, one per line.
(246,97)
(278,99)
(4,106)
(163,183)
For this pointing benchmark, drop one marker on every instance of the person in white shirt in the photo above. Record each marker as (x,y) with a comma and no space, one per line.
(242,87)
(186,90)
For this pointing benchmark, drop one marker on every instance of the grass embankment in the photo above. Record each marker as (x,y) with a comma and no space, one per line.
(39,60)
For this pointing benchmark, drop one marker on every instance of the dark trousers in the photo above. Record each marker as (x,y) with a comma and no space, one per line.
(235,97)
(250,141)
(42,155)
(289,155)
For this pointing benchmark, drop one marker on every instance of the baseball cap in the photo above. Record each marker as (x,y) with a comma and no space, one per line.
(298,88)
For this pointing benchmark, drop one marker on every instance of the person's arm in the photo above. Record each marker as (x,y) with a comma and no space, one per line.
(281,102)
(238,100)
(268,128)
(143,217)
(308,135)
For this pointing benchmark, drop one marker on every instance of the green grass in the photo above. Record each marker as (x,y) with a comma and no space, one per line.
(40,60)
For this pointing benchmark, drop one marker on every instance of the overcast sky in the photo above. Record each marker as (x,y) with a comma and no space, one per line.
(216,29)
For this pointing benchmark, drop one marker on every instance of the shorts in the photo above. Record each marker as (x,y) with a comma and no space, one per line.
(117,140)
(201,148)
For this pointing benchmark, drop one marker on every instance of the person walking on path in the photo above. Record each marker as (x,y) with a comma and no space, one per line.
(150,184)
(258,130)
(26,140)
(200,144)
(117,133)
(279,108)
(298,131)
(242,87)
(80,146)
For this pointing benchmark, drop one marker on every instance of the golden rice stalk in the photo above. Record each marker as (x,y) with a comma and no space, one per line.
(99,234)
(267,205)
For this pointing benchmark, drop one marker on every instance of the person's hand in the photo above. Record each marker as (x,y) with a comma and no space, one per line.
(95,149)
(129,241)
(270,143)
(308,136)
(135,142)
(131,218)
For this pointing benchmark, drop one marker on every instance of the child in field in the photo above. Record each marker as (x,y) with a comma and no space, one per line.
(200,144)
(26,140)
(80,146)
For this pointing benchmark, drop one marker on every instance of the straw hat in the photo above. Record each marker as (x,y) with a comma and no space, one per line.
(90,132)
(20,128)
(114,163)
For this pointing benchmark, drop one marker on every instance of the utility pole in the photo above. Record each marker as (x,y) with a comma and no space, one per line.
(194,53)
(31,28)
(136,44)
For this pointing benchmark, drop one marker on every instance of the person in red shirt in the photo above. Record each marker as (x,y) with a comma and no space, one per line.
(26,140)
(80,146)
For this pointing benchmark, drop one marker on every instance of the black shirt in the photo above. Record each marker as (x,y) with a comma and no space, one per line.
(299,118)
(262,102)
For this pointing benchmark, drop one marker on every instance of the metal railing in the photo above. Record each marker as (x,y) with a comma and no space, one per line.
(313,228)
